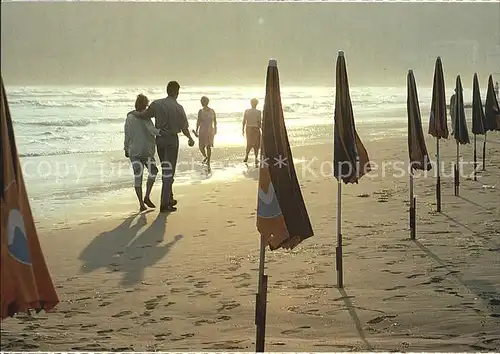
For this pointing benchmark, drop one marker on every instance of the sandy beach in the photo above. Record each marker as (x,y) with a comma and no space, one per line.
(187,281)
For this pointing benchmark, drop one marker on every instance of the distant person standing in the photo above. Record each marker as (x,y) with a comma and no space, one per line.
(171,119)
(206,128)
(252,122)
(497,90)
(453,102)
(139,146)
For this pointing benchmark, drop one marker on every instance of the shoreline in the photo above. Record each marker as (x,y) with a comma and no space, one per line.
(95,203)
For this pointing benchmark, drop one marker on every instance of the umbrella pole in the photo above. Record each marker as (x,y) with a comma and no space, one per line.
(457,175)
(412,208)
(475,159)
(438,182)
(338,253)
(484,152)
(261,301)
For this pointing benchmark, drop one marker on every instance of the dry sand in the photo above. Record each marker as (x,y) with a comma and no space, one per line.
(187,281)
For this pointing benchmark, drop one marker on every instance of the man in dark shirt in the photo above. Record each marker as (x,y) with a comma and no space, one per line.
(171,119)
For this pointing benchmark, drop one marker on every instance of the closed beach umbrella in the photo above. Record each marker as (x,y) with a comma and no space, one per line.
(438,126)
(477,109)
(25,280)
(461,133)
(419,158)
(491,109)
(281,213)
(417,150)
(282,218)
(477,118)
(350,160)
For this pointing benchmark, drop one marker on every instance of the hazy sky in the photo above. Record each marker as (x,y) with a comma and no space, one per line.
(110,43)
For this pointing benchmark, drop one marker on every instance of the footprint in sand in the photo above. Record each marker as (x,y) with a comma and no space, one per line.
(242,285)
(122,313)
(224,318)
(104,331)
(170,303)
(295,330)
(104,303)
(395,297)
(215,294)
(229,305)
(162,336)
(226,345)
(182,337)
(151,304)
(201,284)
(178,290)
(395,288)
(391,271)
(202,322)
(415,275)
(166,319)
(86,326)
(494,302)
(433,280)
(379,319)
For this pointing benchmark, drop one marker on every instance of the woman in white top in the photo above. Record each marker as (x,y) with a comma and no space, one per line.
(206,128)
(252,121)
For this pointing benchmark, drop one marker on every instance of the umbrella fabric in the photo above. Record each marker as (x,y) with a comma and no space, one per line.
(491,108)
(281,213)
(438,126)
(477,109)
(25,282)
(419,158)
(350,160)
(461,133)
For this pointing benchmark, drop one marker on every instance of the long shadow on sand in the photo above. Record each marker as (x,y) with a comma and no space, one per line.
(126,249)
(483,289)
(475,233)
(355,318)
(473,203)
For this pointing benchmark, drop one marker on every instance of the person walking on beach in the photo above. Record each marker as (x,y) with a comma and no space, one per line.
(252,122)
(170,119)
(139,146)
(453,102)
(206,128)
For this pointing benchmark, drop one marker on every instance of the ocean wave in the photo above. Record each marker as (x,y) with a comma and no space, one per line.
(81,122)
(61,152)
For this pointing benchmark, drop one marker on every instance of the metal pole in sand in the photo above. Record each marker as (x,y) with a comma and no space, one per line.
(412,207)
(484,152)
(438,182)
(457,174)
(475,159)
(261,301)
(338,253)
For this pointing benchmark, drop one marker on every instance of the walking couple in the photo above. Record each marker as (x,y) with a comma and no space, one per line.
(141,136)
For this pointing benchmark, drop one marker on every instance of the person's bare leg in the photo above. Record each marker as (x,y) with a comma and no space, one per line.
(138,191)
(149,186)
(202,150)
(209,156)
(138,169)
